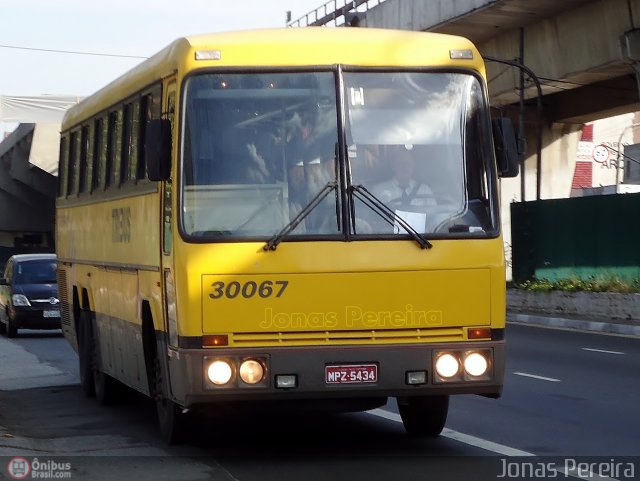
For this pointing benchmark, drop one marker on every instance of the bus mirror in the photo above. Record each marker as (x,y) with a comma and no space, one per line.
(504,139)
(158,149)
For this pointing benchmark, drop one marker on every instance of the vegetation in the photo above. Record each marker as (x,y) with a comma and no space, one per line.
(574,284)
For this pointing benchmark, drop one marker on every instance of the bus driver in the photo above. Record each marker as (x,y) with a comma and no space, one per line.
(403,191)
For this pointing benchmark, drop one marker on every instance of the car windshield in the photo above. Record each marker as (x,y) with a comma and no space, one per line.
(36,272)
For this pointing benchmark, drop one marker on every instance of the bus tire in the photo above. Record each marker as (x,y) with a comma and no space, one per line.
(171,420)
(424,416)
(107,389)
(85,354)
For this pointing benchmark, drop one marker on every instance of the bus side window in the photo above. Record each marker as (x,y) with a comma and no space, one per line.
(110,170)
(98,160)
(84,167)
(72,187)
(105,166)
(63,168)
(118,167)
(125,145)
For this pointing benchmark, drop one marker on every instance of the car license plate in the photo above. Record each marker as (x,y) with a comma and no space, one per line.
(55,313)
(351,374)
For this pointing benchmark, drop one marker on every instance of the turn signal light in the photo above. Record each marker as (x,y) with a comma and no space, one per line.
(215,340)
(479,333)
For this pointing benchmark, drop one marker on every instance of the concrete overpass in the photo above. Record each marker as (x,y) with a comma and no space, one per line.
(28,184)
(572,46)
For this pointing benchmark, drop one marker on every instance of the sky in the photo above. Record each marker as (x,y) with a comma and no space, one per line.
(137,28)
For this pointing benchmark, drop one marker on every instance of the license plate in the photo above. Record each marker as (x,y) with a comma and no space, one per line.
(51,313)
(351,374)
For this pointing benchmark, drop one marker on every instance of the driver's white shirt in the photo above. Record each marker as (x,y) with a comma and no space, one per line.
(391,193)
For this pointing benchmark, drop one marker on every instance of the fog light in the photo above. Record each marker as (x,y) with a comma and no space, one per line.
(447,366)
(286,381)
(251,371)
(416,377)
(475,364)
(219,372)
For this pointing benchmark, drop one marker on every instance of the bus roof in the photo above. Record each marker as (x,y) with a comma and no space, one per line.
(283,47)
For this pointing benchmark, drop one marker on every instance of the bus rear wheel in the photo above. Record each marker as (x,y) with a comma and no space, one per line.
(85,354)
(108,390)
(424,416)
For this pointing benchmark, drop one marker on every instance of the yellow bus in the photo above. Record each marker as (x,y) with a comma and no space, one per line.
(298,216)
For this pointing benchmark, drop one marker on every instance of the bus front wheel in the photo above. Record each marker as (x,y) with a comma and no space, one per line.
(424,416)
(171,420)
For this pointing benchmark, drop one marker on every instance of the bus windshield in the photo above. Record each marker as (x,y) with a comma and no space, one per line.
(259,147)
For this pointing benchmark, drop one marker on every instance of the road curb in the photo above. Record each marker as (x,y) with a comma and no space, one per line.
(578,324)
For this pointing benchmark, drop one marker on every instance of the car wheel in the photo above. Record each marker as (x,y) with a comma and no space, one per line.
(3,326)
(12,330)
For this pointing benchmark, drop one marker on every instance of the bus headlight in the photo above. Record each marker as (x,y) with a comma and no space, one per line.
(447,366)
(475,364)
(455,366)
(251,371)
(220,372)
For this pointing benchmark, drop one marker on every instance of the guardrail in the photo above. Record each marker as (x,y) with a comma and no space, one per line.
(338,12)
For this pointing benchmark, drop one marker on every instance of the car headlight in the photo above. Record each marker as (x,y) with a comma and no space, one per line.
(20,300)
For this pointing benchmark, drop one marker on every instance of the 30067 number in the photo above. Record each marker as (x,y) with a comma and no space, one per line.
(247,290)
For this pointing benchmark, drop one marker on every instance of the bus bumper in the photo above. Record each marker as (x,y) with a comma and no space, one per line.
(319,372)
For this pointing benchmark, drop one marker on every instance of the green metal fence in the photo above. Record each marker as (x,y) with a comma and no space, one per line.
(583,237)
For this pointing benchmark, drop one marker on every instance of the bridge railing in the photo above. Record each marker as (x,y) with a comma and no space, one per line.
(336,12)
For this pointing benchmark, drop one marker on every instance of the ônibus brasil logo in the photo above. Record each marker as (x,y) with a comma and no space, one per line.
(18,468)
(21,468)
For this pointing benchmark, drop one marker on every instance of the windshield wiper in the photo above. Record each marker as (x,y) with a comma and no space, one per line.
(380,208)
(272,243)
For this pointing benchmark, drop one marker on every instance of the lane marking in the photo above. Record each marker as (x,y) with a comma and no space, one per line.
(490,446)
(461,437)
(534,376)
(590,349)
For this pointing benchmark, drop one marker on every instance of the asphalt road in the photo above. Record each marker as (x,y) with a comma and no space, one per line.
(567,394)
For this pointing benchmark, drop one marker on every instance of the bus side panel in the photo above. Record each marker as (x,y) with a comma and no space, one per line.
(105,247)
(498,297)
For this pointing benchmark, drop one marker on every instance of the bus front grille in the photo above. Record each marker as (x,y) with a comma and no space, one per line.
(63,295)
(374,336)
